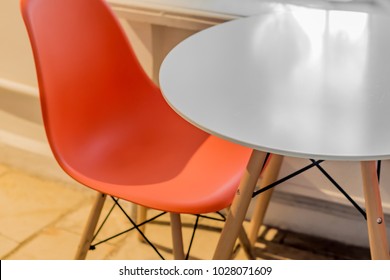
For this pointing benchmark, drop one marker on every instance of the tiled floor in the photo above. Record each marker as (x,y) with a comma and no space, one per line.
(43,219)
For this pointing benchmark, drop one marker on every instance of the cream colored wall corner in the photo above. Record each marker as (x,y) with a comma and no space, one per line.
(20,125)
(23,142)
(16,63)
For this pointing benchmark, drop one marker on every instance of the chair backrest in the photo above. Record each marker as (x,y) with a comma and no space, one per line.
(87,71)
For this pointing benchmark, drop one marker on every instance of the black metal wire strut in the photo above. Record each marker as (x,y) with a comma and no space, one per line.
(326,174)
(135,226)
(296,173)
(316,163)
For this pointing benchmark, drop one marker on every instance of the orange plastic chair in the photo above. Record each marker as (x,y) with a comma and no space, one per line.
(110,128)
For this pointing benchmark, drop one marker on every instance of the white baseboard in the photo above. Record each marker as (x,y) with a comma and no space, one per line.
(317,217)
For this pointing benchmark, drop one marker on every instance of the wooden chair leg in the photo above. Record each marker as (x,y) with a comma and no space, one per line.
(89,230)
(239,206)
(271,174)
(177,236)
(375,218)
(141,217)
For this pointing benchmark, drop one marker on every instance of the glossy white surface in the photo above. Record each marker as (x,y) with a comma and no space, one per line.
(229,7)
(246,8)
(297,81)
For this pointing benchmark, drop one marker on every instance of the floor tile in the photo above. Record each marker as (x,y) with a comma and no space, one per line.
(28,204)
(3,169)
(46,246)
(7,245)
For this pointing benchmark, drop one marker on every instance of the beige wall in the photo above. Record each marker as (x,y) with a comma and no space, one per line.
(16,63)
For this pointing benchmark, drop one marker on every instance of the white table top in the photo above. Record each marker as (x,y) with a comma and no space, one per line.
(244,8)
(296,81)
(228,7)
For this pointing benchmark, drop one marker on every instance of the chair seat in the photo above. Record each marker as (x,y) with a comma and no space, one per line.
(185,171)
(189,190)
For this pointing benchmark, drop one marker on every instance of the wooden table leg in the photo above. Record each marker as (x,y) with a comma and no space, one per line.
(270,174)
(375,218)
(239,206)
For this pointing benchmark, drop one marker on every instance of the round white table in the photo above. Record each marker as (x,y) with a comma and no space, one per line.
(296,82)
